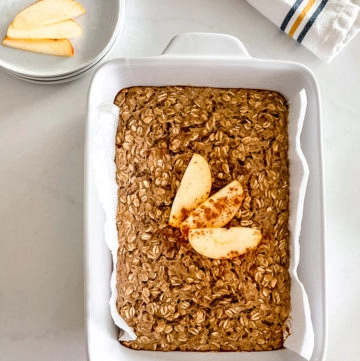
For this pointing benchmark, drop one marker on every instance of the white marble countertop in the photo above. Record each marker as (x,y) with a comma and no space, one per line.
(41,181)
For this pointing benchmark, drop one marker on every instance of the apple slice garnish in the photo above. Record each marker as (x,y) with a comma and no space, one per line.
(224,243)
(217,210)
(45,12)
(194,189)
(59,47)
(62,29)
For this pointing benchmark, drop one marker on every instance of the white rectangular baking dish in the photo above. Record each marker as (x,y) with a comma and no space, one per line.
(203,60)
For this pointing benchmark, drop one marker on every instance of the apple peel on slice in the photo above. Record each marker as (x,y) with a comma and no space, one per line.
(194,189)
(224,243)
(60,30)
(45,12)
(59,47)
(217,210)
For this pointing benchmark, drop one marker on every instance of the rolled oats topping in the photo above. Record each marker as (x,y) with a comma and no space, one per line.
(173,297)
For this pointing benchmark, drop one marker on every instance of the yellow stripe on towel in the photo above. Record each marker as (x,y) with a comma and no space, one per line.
(301,16)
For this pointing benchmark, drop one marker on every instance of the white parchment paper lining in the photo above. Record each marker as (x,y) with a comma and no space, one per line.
(301,338)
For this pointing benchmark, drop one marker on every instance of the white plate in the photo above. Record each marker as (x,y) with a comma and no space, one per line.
(225,63)
(50,82)
(101,25)
(62,78)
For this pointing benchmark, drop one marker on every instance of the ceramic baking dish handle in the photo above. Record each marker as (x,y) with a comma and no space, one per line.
(206,44)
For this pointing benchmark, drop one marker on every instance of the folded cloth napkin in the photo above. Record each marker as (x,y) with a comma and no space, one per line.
(322,26)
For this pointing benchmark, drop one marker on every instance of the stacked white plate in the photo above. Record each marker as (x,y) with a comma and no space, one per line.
(101,25)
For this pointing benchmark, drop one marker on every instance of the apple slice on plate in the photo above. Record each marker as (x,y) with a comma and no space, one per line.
(223,243)
(194,189)
(45,12)
(62,29)
(59,47)
(217,210)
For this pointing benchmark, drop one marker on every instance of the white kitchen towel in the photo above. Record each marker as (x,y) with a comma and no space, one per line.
(322,26)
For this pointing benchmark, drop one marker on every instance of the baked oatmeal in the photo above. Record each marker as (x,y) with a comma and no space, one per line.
(172,297)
